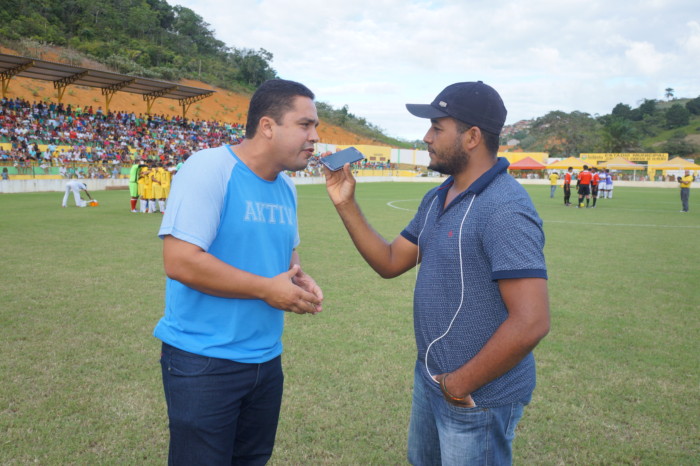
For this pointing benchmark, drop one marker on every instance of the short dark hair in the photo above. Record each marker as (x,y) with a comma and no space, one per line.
(273,99)
(491,140)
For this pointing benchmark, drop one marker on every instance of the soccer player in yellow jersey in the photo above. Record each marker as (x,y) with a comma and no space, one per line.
(146,192)
(165,184)
(161,186)
(140,183)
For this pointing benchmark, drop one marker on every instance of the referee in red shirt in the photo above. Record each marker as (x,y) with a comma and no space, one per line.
(595,182)
(584,186)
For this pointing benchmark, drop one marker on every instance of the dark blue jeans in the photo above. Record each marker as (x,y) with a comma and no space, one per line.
(685,198)
(221,412)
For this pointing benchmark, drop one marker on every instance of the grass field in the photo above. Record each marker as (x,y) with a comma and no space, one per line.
(618,375)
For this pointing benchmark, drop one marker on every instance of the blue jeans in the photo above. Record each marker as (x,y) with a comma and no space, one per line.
(552,189)
(220,411)
(443,434)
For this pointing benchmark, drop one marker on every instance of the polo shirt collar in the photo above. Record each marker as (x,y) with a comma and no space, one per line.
(478,186)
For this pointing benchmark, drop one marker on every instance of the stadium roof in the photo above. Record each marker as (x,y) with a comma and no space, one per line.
(63,75)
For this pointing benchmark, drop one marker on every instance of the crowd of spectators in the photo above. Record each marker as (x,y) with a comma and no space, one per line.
(76,136)
(83,142)
(371,165)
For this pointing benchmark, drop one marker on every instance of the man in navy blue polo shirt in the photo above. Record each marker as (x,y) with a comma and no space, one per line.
(481,302)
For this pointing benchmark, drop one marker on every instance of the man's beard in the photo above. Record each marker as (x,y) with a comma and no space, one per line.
(450,162)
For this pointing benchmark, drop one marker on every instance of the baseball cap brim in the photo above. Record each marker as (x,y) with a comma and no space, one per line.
(425,111)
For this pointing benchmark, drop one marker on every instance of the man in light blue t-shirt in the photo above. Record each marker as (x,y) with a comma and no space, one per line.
(480,304)
(229,238)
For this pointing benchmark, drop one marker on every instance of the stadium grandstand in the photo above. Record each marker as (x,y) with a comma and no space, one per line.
(54,140)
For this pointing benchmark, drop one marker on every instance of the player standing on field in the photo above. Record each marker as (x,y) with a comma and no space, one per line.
(567,186)
(595,180)
(134,184)
(602,180)
(608,184)
(584,186)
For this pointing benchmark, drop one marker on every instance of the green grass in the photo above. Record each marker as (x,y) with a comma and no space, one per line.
(618,374)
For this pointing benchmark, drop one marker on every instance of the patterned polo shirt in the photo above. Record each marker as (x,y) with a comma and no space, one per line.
(489,232)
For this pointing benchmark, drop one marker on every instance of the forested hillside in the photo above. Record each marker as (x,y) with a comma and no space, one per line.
(671,126)
(149,38)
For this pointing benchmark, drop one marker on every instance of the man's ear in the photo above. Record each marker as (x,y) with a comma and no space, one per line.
(471,138)
(265,126)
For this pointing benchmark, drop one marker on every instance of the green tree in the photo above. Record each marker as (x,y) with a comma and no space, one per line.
(620,135)
(693,106)
(677,116)
(189,24)
(622,111)
(255,66)
(141,20)
(648,107)
(669,93)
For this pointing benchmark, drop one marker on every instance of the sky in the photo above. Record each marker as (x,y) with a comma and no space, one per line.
(541,55)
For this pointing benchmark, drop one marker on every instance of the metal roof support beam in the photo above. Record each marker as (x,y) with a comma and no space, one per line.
(109,92)
(151,98)
(186,102)
(8,74)
(63,83)
(63,75)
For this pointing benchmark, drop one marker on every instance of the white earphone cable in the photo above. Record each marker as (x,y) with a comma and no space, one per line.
(461,276)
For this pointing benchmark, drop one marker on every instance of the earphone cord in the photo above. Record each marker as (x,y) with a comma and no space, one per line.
(461,277)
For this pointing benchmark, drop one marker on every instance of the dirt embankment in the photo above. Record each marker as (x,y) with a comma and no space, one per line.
(223,105)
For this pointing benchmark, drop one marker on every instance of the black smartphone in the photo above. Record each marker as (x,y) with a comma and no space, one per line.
(335,162)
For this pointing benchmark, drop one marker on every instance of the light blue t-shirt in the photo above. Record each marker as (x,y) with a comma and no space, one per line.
(217,203)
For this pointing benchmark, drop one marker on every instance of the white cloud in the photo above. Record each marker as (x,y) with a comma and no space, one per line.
(645,58)
(542,55)
(691,42)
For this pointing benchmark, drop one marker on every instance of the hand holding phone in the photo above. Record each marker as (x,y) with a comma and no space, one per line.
(336,161)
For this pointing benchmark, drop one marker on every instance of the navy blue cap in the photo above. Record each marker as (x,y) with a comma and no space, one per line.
(474,103)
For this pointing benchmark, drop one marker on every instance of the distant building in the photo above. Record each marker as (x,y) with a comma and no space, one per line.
(510,130)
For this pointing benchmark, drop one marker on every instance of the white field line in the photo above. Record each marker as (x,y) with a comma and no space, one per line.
(391,204)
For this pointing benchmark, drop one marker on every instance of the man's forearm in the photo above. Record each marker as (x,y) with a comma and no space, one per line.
(207,274)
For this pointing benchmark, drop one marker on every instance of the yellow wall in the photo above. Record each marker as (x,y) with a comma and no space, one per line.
(632,157)
(42,147)
(373,153)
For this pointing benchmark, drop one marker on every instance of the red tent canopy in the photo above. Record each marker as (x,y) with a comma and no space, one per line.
(528,163)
